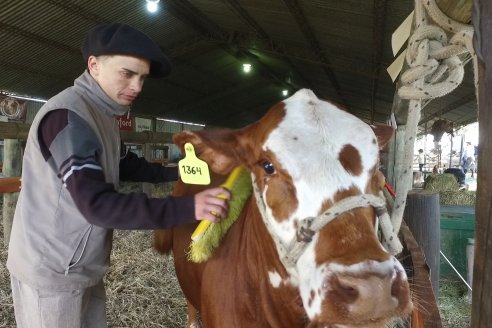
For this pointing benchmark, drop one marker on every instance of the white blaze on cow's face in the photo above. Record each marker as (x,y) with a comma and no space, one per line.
(308,143)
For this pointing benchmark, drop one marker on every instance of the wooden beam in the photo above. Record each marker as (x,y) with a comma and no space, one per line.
(12,184)
(20,131)
(308,32)
(378,29)
(482,277)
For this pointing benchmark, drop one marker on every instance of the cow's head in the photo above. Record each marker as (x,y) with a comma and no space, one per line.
(305,155)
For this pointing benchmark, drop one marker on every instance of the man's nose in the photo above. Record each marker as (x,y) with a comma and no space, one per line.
(136,85)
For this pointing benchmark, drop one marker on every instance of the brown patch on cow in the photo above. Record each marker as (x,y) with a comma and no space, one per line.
(344,193)
(350,238)
(252,137)
(383,134)
(350,159)
(281,196)
(376,183)
(326,205)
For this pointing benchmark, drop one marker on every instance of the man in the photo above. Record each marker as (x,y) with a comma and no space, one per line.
(61,236)
(421,160)
(469,158)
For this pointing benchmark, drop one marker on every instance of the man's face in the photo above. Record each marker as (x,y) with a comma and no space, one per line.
(121,77)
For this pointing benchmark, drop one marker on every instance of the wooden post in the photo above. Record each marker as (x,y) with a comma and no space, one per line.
(422,215)
(12,163)
(394,156)
(482,269)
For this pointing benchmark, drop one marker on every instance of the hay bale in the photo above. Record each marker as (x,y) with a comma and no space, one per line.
(460,197)
(441,182)
(448,189)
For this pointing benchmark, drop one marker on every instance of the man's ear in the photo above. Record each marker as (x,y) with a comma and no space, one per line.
(93,65)
(383,133)
(216,147)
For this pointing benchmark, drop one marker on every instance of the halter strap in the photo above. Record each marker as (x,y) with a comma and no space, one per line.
(308,227)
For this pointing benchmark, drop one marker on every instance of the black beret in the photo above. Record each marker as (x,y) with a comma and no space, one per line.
(121,39)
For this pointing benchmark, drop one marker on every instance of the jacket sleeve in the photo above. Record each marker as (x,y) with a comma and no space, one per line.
(68,141)
(134,168)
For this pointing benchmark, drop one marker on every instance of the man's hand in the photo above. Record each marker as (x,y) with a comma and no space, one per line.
(208,206)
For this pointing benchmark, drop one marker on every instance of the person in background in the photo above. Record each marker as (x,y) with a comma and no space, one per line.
(62,231)
(469,159)
(421,159)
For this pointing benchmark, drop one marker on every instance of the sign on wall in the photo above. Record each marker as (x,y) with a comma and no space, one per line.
(143,124)
(125,123)
(12,109)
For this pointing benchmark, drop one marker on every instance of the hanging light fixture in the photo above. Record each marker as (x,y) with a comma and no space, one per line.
(247,68)
(285,92)
(152,5)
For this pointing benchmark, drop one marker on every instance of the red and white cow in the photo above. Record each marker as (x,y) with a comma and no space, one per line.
(304,155)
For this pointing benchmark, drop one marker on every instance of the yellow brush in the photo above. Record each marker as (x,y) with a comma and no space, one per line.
(204,224)
(207,235)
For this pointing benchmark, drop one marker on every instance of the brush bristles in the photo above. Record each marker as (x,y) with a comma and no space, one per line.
(200,250)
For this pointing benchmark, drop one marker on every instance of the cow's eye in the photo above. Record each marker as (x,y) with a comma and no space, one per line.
(268,167)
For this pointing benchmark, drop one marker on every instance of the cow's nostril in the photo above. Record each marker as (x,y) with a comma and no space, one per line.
(396,285)
(346,291)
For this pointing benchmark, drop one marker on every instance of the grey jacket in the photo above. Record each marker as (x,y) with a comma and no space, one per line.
(52,245)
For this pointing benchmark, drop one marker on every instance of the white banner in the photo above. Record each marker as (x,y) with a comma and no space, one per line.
(143,124)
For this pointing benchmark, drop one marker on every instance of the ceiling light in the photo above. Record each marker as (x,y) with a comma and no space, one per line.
(285,92)
(152,5)
(247,68)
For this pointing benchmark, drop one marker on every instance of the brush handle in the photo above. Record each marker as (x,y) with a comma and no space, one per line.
(228,184)
(204,224)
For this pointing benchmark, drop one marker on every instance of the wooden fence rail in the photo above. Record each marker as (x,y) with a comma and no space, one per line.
(10,130)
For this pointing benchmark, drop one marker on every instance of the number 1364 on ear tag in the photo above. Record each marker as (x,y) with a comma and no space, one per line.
(192,169)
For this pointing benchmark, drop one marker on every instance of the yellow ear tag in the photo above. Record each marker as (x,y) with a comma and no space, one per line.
(192,169)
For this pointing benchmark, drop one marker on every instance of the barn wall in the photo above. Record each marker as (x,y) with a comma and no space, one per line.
(173,127)
(32,107)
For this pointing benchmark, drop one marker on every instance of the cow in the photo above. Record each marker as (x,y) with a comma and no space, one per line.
(305,156)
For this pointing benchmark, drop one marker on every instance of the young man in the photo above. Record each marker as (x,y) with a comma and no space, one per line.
(61,237)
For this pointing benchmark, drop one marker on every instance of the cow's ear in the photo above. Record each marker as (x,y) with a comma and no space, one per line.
(216,147)
(383,133)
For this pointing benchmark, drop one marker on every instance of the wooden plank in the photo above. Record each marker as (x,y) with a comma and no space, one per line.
(426,312)
(482,277)
(422,215)
(10,130)
(10,185)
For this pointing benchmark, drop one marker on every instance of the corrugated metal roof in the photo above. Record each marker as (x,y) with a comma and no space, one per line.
(331,46)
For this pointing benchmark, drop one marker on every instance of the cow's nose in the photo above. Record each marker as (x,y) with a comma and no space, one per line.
(369,295)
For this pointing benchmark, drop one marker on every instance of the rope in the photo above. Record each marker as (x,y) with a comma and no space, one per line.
(435,69)
(308,227)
